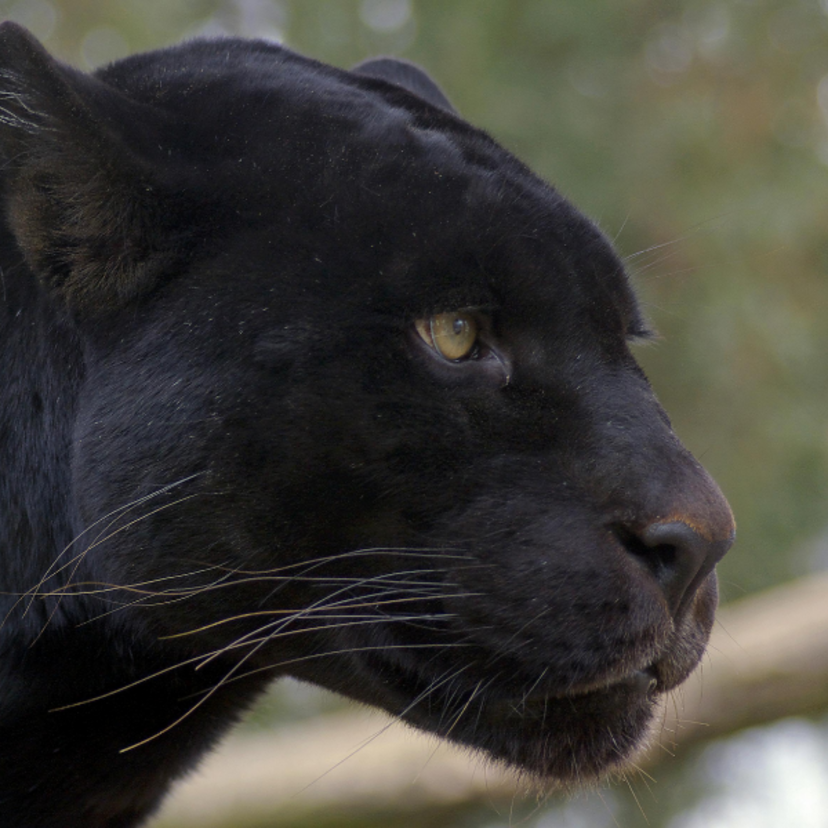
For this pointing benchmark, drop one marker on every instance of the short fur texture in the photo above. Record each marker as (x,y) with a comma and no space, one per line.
(226,454)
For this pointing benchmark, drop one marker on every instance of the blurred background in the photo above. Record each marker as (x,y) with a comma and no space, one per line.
(696,133)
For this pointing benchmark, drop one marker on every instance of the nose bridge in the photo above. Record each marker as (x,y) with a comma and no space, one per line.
(672,516)
(647,468)
(682,491)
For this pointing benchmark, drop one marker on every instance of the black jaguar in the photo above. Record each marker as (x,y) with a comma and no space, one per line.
(300,374)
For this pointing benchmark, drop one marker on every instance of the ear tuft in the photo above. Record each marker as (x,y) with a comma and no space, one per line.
(35,93)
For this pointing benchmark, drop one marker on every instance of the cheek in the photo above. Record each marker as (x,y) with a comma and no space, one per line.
(575,607)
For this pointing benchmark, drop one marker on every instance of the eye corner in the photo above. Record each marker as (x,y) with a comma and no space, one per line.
(642,334)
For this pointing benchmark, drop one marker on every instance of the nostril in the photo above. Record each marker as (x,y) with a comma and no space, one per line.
(678,556)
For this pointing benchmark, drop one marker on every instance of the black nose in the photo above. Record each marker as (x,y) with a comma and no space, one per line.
(679,557)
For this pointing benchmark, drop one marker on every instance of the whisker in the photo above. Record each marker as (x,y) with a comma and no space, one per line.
(342,621)
(301,614)
(50,572)
(103,537)
(378,551)
(96,588)
(433,687)
(231,677)
(474,694)
(637,801)
(424,589)
(531,689)
(76,561)
(293,614)
(326,601)
(255,576)
(124,687)
(115,514)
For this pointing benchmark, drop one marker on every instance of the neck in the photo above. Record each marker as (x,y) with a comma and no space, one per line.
(40,372)
(66,766)
(107,762)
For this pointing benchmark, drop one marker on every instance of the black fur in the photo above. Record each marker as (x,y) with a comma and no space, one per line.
(226,454)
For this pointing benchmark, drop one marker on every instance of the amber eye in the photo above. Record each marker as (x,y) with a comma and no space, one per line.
(452,335)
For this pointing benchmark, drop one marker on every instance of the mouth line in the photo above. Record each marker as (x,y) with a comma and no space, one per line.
(524,729)
(408,681)
(642,682)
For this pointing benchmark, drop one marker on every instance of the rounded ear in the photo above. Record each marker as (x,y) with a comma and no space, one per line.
(79,199)
(407,75)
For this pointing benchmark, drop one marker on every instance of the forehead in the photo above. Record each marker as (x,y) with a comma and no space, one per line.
(415,208)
